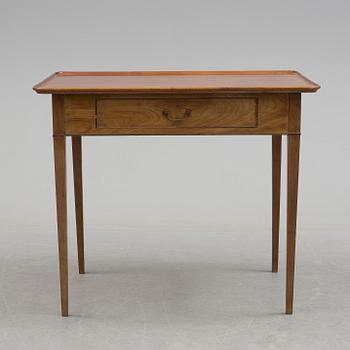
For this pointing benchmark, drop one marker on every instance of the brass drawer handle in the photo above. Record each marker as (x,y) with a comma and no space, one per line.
(167,114)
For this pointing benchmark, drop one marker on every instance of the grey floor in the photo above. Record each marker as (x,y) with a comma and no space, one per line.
(173,290)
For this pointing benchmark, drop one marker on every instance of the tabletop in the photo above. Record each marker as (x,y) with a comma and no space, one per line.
(176,81)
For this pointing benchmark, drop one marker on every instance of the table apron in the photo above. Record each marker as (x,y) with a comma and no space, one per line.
(225,114)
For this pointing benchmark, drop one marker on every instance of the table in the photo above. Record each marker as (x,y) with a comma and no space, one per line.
(176,103)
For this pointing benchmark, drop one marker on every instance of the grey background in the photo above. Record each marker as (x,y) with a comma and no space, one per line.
(173,203)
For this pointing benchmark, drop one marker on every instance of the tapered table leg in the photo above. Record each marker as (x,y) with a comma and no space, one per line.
(61,202)
(276,198)
(292,197)
(78,196)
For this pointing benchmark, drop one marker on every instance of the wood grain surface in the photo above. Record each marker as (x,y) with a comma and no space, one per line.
(181,81)
(177,113)
(228,114)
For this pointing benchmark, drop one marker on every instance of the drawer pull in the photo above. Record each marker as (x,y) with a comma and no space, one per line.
(167,114)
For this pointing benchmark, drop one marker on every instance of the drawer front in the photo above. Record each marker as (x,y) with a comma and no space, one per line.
(240,112)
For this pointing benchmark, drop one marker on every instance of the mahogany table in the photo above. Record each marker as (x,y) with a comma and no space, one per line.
(176,103)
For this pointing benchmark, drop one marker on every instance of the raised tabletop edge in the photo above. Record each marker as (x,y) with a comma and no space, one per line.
(44,88)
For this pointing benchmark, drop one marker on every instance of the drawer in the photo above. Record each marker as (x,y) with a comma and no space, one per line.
(234,112)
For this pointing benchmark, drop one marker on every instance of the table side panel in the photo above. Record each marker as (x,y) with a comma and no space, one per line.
(294,119)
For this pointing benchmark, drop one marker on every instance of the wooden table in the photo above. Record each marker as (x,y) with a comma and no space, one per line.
(176,103)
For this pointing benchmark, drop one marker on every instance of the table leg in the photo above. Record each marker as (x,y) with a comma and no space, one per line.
(276,198)
(78,196)
(292,197)
(61,202)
